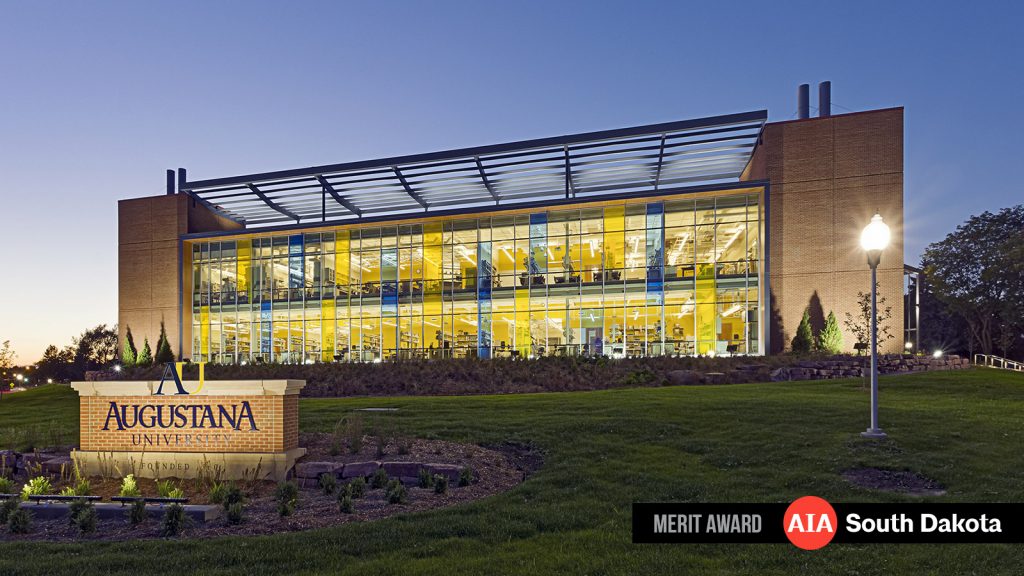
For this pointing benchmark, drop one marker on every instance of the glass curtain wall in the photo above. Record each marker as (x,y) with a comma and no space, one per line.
(676,276)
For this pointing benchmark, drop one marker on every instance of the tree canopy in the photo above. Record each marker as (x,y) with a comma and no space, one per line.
(977,273)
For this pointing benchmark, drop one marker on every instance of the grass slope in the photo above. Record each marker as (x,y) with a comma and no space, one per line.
(604,450)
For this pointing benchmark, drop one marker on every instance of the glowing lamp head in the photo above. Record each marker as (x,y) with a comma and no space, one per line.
(117,368)
(876,235)
(937,354)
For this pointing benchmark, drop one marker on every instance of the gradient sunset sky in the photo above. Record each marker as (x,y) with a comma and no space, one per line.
(98,99)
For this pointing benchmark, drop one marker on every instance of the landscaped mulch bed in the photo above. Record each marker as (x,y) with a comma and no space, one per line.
(495,470)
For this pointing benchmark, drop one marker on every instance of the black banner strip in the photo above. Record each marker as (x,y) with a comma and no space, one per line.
(763,523)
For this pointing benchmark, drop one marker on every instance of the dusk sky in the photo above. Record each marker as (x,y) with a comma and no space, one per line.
(98,99)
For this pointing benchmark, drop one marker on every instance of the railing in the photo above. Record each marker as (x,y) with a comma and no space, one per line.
(998,362)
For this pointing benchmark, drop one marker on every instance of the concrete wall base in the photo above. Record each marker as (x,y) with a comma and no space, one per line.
(227,466)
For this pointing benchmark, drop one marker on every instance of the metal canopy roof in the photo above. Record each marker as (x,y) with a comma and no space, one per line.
(590,165)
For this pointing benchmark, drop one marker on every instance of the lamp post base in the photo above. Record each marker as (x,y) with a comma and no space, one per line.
(875,433)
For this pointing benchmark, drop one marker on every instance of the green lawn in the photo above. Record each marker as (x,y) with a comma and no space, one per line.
(604,450)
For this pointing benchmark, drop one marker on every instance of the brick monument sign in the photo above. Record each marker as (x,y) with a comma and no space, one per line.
(234,429)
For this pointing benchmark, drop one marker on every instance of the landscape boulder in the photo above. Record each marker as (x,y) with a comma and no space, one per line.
(449,471)
(315,469)
(357,469)
(407,472)
(684,377)
(58,465)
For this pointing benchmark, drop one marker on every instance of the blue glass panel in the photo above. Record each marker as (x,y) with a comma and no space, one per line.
(538,263)
(483,333)
(389,280)
(484,270)
(655,247)
(296,275)
(265,328)
(483,282)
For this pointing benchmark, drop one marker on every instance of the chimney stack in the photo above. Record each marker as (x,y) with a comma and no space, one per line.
(803,101)
(170,183)
(824,99)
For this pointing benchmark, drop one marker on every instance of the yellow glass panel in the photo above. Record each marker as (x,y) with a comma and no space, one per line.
(705,308)
(614,239)
(522,323)
(432,258)
(204,332)
(329,323)
(341,260)
(244,261)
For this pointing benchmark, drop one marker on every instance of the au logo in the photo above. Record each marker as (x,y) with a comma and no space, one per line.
(173,370)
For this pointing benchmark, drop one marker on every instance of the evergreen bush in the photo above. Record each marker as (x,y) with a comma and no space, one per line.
(804,339)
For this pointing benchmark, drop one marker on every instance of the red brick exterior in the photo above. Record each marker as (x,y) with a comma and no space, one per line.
(276,417)
(827,178)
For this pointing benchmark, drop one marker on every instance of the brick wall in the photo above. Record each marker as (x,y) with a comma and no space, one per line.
(827,177)
(276,417)
(148,264)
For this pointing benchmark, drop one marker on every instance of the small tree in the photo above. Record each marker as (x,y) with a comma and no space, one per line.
(830,340)
(7,355)
(860,325)
(128,351)
(146,356)
(804,339)
(163,347)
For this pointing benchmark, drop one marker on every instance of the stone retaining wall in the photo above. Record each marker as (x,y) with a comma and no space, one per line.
(859,366)
(819,369)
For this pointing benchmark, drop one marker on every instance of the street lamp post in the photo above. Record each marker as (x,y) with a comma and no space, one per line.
(873,239)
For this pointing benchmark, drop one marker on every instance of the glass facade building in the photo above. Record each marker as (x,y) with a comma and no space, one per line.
(673,274)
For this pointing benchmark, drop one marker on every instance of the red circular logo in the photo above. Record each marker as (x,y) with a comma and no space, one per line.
(810,522)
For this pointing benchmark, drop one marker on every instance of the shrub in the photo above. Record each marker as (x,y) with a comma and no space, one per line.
(466,476)
(639,378)
(176,493)
(174,520)
(287,496)
(137,512)
(337,438)
(426,480)
(75,508)
(395,493)
(357,487)
(345,503)
(440,484)
(129,487)
(354,433)
(235,513)
(19,521)
(164,354)
(36,486)
(164,488)
(6,485)
(404,445)
(145,357)
(830,339)
(328,483)
(218,492)
(82,487)
(379,479)
(804,339)
(6,508)
(83,515)
(233,495)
